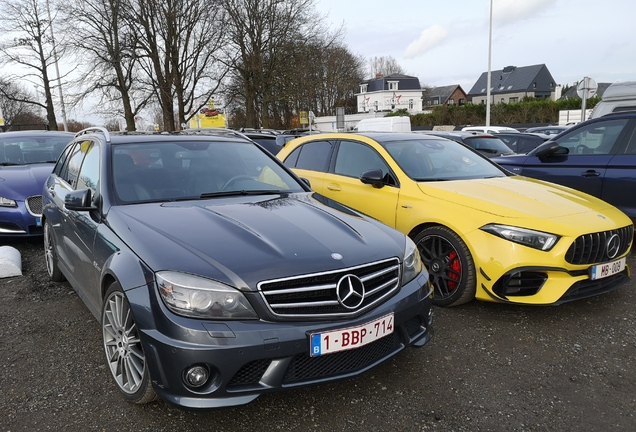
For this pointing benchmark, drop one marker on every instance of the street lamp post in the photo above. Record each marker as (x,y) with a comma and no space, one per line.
(57,68)
(489,80)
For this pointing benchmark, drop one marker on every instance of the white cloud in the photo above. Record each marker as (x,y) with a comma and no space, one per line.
(507,11)
(429,39)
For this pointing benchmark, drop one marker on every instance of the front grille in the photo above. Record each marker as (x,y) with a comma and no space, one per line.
(251,373)
(315,296)
(519,283)
(592,248)
(303,367)
(589,288)
(34,205)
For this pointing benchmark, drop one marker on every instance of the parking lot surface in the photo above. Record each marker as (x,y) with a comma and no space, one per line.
(489,367)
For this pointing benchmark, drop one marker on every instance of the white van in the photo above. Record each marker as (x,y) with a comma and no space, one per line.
(384,124)
(617,97)
(490,129)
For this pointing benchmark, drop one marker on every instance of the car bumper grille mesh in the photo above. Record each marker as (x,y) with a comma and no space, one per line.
(304,367)
(34,205)
(315,296)
(593,248)
(589,288)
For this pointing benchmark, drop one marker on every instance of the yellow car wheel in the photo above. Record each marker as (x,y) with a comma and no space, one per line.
(450,265)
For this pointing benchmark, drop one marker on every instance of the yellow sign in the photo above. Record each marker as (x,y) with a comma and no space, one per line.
(304,118)
(208,121)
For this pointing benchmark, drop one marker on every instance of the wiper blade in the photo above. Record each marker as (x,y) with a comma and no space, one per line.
(242,193)
(428,179)
(10,164)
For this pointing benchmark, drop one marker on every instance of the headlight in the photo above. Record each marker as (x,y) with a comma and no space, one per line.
(198,297)
(412,262)
(535,239)
(6,202)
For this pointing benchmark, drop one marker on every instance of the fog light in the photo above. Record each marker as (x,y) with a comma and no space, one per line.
(196,376)
(430,316)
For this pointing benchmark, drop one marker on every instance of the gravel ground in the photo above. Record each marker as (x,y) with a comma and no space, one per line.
(489,368)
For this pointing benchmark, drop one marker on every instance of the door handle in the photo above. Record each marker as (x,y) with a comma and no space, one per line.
(334,187)
(590,173)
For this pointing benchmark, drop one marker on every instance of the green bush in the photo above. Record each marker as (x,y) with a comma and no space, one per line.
(529,110)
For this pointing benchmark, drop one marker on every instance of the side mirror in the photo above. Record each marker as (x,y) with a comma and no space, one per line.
(373,177)
(306,181)
(79,201)
(548,148)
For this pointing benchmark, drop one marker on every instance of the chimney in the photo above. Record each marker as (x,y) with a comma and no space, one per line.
(378,75)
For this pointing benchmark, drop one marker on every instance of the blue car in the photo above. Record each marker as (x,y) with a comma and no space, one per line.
(26,160)
(597,156)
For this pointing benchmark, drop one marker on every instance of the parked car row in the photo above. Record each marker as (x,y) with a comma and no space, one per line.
(217,274)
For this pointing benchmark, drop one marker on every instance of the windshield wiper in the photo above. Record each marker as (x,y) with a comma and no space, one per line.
(243,193)
(428,179)
(9,164)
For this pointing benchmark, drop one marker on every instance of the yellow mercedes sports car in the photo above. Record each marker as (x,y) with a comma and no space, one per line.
(482,232)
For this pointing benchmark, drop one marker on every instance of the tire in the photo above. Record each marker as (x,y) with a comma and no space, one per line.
(450,265)
(52,268)
(125,356)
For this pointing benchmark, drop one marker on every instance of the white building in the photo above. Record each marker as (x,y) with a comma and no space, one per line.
(390,93)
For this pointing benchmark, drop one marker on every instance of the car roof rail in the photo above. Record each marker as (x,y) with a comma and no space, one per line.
(94,129)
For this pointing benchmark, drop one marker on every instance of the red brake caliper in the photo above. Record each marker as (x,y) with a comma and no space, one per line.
(456,266)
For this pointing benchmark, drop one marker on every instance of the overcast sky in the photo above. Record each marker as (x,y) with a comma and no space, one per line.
(445,42)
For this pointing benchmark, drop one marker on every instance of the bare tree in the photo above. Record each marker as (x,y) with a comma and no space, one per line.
(104,41)
(264,35)
(13,107)
(27,46)
(384,65)
(180,45)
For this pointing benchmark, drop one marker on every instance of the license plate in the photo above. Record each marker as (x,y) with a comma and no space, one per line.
(350,338)
(601,271)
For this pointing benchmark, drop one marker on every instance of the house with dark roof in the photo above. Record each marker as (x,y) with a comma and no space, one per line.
(390,93)
(444,95)
(511,84)
(571,92)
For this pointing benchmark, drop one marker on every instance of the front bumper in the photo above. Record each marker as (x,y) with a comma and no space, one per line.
(18,222)
(249,358)
(512,273)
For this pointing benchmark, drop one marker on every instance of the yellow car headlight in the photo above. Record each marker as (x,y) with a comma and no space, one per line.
(527,237)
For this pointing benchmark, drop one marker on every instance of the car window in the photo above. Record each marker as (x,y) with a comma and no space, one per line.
(488,145)
(631,144)
(313,156)
(354,158)
(186,170)
(595,138)
(440,160)
(89,173)
(61,162)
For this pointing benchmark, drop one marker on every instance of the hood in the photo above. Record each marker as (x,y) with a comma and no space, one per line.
(516,197)
(257,238)
(20,181)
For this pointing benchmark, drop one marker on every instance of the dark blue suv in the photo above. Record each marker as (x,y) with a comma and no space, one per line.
(218,275)
(597,156)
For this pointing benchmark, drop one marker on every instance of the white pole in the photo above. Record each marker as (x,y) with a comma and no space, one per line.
(57,68)
(489,80)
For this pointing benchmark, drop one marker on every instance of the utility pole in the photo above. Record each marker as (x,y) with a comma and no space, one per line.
(489,80)
(57,68)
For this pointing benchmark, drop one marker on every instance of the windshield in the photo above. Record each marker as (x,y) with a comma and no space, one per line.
(196,169)
(437,160)
(23,150)
(492,146)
